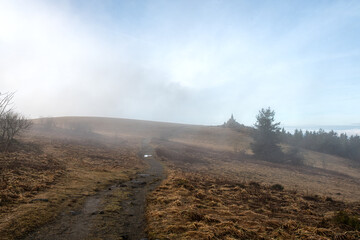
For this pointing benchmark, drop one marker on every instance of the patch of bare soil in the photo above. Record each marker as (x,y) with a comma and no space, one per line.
(116,212)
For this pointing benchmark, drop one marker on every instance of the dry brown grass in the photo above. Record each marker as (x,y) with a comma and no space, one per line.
(341,183)
(220,194)
(64,172)
(192,205)
(23,174)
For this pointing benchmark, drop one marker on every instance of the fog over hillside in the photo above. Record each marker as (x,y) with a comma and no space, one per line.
(183,61)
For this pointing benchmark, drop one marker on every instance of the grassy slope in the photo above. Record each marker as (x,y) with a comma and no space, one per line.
(329,175)
(217,194)
(64,171)
(191,205)
(199,154)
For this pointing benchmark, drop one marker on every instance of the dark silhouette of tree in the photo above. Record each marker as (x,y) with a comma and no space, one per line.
(325,142)
(267,137)
(232,123)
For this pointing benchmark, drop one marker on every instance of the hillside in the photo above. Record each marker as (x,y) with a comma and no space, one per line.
(323,169)
(205,165)
(225,151)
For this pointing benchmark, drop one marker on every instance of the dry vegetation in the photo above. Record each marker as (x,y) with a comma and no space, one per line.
(24,173)
(200,206)
(214,194)
(47,176)
(215,189)
(336,179)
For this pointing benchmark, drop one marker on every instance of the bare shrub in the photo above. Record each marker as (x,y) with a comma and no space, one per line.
(11,123)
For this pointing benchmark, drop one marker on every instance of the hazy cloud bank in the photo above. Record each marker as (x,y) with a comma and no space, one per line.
(191,62)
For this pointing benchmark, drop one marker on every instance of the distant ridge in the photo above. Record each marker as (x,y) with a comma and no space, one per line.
(115,119)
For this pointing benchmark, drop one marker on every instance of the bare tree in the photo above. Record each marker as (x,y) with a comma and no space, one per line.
(11,123)
(5,103)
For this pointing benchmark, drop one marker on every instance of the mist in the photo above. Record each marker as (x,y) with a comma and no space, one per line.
(182,61)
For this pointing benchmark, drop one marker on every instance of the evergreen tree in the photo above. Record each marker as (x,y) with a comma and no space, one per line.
(326,142)
(232,123)
(267,137)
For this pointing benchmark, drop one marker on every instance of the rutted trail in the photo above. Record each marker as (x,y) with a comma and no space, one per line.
(134,206)
(91,221)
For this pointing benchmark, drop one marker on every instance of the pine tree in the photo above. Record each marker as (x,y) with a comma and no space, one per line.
(266,137)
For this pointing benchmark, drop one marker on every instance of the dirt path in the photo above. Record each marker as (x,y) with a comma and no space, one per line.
(93,222)
(134,206)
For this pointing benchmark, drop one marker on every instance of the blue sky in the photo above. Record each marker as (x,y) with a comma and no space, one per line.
(183,61)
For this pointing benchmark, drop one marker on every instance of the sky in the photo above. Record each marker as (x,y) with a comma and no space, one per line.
(183,61)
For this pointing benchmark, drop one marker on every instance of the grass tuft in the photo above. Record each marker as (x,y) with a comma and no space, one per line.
(277,187)
(344,219)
